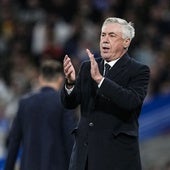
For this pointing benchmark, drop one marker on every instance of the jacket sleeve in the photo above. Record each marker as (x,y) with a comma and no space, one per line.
(129,97)
(14,142)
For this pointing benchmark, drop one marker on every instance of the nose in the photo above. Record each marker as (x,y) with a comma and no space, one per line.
(105,39)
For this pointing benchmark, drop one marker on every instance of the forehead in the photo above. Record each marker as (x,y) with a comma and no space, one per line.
(112,27)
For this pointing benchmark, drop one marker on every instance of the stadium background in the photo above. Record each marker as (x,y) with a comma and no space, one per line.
(33,30)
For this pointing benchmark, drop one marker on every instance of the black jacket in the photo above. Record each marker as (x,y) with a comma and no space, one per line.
(42,127)
(108,130)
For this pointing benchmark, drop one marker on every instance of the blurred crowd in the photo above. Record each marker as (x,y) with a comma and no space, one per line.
(34,30)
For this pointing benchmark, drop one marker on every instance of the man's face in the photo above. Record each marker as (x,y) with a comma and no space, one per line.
(111,42)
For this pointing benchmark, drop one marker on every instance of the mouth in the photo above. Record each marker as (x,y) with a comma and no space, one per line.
(105,49)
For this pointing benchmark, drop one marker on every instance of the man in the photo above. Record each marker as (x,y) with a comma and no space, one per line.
(110,99)
(42,126)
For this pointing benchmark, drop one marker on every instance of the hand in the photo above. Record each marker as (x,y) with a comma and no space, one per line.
(69,70)
(94,68)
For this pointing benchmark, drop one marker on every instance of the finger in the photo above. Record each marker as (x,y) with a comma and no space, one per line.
(91,56)
(64,61)
(67,62)
(67,67)
(69,73)
(66,57)
(92,59)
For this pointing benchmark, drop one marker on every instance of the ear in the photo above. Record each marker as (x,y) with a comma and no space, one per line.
(126,43)
(40,79)
(61,80)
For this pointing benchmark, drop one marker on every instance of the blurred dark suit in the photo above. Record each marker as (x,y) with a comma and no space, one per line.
(107,135)
(42,126)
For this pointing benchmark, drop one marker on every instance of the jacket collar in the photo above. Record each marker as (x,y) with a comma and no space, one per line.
(47,88)
(118,66)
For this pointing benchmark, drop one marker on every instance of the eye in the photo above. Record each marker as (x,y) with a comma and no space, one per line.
(112,35)
(102,35)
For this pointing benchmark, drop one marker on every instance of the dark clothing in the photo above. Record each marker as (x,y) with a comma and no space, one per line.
(107,134)
(42,126)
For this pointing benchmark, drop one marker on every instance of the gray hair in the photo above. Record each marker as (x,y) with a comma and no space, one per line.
(128,30)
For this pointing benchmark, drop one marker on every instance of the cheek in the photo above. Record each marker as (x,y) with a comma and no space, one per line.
(116,46)
(100,46)
(100,43)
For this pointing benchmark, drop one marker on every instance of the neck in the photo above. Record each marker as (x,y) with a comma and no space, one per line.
(53,85)
(119,55)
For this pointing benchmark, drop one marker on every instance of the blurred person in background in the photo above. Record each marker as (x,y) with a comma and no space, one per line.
(42,125)
(110,90)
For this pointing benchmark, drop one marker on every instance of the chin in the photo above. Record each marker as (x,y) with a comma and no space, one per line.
(105,57)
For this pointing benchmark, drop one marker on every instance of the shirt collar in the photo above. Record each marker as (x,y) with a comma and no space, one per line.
(111,63)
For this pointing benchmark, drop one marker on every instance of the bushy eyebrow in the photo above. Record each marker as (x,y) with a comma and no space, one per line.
(109,33)
(112,33)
